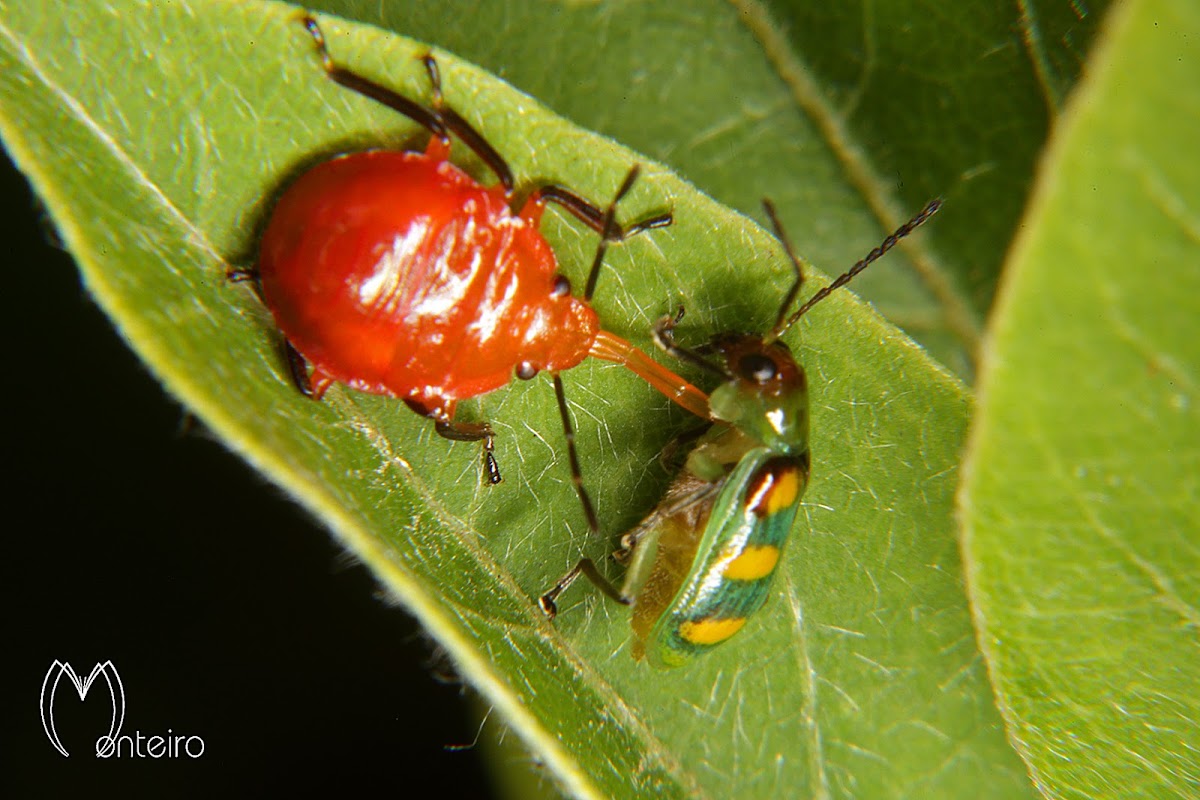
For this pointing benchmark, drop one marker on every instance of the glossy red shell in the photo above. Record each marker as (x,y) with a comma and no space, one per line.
(398,274)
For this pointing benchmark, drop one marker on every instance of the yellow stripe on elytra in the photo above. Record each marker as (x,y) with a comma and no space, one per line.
(785,492)
(710,631)
(753,563)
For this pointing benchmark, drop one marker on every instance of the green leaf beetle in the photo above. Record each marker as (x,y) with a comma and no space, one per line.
(702,562)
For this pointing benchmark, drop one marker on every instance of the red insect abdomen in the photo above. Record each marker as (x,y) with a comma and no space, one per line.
(396,273)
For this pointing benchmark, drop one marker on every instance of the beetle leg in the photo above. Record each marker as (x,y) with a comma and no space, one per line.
(587,568)
(664,337)
(666,456)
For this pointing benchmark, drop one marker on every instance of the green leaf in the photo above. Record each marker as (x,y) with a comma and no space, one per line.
(1081,507)
(861,677)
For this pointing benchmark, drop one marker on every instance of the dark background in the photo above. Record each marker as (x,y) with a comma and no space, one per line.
(228,612)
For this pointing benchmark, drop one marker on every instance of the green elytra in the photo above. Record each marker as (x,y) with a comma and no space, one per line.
(702,562)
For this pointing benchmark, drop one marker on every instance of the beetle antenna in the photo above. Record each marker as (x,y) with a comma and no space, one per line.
(887,244)
(790,297)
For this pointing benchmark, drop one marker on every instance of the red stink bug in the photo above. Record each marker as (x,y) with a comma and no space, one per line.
(396,273)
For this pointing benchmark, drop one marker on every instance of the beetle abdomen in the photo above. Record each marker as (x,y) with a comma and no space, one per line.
(736,560)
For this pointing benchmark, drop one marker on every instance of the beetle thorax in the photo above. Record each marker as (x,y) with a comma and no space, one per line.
(766,397)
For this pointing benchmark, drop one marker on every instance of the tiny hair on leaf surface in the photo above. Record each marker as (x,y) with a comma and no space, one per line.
(861,678)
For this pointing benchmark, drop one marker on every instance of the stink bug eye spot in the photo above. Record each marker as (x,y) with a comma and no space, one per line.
(526,371)
(561,287)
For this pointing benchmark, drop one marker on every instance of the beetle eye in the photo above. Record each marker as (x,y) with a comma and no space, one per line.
(526,371)
(757,368)
(561,288)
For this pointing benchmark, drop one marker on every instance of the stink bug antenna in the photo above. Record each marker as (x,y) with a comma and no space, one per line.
(790,297)
(441,121)
(784,322)
(463,129)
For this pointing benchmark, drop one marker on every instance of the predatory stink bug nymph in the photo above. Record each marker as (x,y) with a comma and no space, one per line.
(395,272)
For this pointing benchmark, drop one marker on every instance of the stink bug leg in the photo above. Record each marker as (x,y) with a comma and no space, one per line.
(585,567)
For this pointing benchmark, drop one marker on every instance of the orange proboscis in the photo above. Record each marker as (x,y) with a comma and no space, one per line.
(610,347)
